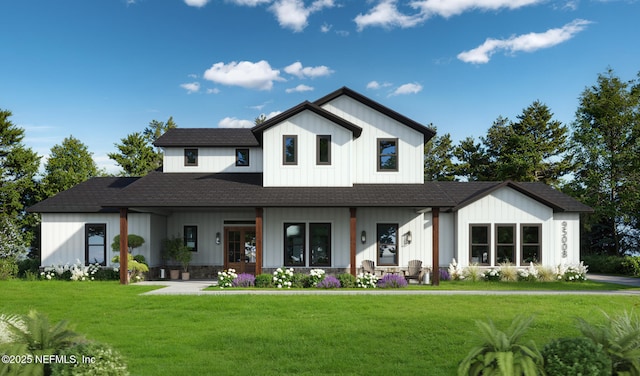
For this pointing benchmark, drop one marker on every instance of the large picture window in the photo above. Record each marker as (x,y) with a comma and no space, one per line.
(387,235)
(531,244)
(95,249)
(191,237)
(506,244)
(387,154)
(289,150)
(323,150)
(479,244)
(320,244)
(294,244)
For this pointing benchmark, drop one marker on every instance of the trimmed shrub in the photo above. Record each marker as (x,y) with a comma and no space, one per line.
(347,280)
(575,356)
(264,280)
(604,264)
(392,281)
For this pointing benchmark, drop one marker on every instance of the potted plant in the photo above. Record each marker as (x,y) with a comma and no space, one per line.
(171,254)
(183,256)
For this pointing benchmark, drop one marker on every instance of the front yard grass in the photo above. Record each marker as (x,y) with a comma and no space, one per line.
(295,335)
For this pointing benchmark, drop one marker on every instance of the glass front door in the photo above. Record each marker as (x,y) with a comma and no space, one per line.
(240,249)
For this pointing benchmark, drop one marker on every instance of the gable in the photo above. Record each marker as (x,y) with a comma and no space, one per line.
(507,205)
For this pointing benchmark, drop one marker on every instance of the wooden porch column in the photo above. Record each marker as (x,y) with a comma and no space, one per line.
(124,247)
(435,248)
(259,213)
(352,240)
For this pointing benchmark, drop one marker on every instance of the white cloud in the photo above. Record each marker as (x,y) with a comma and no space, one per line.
(231,122)
(375,85)
(407,89)
(215,90)
(299,89)
(526,42)
(191,87)
(249,3)
(299,71)
(196,3)
(325,28)
(245,74)
(386,13)
(293,14)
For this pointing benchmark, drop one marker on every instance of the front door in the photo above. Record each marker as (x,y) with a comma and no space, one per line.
(240,249)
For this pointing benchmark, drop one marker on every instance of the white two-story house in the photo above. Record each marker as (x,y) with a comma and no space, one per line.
(325,184)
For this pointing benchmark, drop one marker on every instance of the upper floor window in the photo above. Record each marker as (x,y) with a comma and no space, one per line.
(323,149)
(190,157)
(387,154)
(95,248)
(289,150)
(242,157)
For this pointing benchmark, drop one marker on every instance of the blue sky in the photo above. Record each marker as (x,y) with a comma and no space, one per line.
(101,69)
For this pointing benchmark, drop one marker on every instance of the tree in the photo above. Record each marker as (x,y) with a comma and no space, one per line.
(136,156)
(534,148)
(18,168)
(152,132)
(69,163)
(438,159)
(606,148)
(260,119)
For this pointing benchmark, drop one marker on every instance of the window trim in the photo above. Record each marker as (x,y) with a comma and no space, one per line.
(303,226)
(86,242)
(238,163)
(186,158)
(523,244)
(397,256)
(194,228)
(284,150)
(380,155)
(514,244)
(310,248)
(487,226)
(319,139)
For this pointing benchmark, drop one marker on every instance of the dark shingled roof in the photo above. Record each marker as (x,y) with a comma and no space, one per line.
(189,190)
(193,137)
(87,197)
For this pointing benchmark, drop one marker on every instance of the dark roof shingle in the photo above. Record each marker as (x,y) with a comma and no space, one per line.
(186,137)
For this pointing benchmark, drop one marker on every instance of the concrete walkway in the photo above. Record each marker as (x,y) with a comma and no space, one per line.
(195,287)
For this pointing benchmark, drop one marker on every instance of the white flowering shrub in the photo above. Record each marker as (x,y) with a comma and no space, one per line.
(316,276)
(572,273)
(366,281)
(528,274)
(226,277)
(104,361)
(283,278)
(74,272)
(456,272)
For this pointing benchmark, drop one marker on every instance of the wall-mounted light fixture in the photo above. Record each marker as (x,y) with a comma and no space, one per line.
(217,238)
(409,237)
(363,236)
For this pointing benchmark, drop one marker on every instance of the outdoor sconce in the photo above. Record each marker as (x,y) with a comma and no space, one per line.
(363,237)
(217,238)
(409,237)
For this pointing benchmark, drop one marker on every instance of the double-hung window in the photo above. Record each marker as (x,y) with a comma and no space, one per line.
(531,244)
(95,249)
(387,154)
(506,244)
(480,245)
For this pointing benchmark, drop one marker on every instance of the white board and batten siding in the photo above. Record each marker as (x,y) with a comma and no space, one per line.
(364,154)
(212,160)
(65,234)
(306,172)
(508,206)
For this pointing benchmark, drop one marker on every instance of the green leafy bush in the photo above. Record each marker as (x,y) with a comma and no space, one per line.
(575,356)
(91,359)
(8,268)
(503,352)
(28,265)
(619,337)
(347,280)
(264,280)
(631,265)
(604,264)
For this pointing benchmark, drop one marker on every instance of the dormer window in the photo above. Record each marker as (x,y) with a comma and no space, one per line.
(387,154)
(242,157)
(190,157)
(289,150)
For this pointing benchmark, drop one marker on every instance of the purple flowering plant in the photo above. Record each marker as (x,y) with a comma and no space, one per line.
(244,280)
(392,281)
(329,282)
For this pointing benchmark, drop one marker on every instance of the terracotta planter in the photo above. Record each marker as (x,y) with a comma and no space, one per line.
(185,276)
(174,273)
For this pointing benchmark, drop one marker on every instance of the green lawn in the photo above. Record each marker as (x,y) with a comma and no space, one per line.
(280,335)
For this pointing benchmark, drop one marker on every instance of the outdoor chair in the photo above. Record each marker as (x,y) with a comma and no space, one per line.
(414,271)
(369,266)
